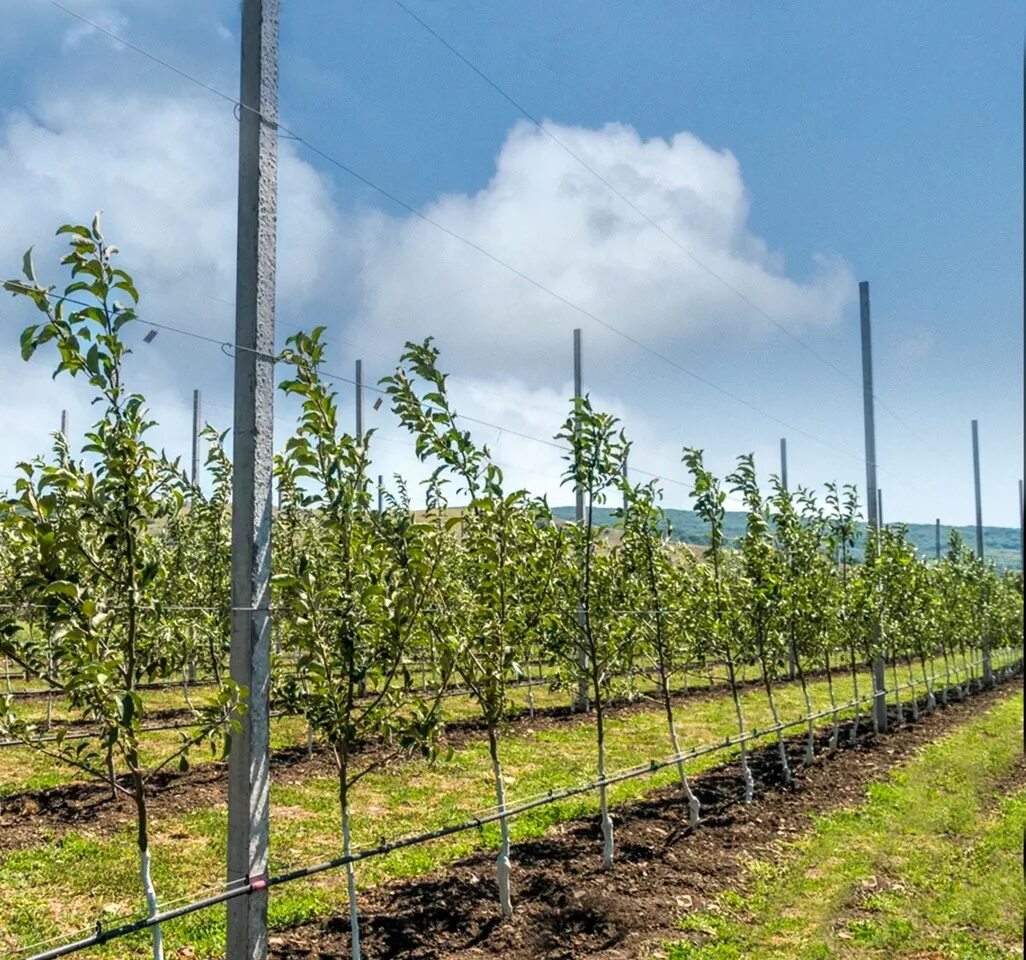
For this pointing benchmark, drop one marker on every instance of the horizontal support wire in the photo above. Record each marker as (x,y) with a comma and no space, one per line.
(251,885)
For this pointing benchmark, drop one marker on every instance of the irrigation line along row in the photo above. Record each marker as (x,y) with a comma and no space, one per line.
(265,883)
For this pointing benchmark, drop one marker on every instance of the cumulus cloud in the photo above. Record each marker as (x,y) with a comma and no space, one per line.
(547,216)
(163,169)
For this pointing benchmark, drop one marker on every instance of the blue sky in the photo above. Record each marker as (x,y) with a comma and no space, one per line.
(815,146)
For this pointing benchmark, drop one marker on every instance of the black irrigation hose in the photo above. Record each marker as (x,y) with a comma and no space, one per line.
(264,883)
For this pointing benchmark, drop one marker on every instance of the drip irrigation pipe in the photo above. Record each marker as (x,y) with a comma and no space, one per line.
(254,885)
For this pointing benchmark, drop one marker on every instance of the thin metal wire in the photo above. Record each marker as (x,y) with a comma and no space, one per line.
(248,885)
(414,211)
(517,105)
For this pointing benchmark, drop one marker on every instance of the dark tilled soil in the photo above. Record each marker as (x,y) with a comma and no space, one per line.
(567,907)
(30,817)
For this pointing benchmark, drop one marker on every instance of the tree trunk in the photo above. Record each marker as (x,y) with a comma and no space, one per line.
(604,819)
(912,686)
(143,843)
(833,702)
(785,767)
(746,773)
(502,862)
(347,849)
(931,700)
(947,675)
(694,807)
(855,693)
(897,688)
(810,745)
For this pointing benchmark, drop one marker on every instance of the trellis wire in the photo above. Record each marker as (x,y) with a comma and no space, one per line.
(494,815)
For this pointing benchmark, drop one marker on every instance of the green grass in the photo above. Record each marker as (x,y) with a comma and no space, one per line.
(929,866)
(68,882)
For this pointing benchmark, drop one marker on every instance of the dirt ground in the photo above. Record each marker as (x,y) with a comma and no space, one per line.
(567,907)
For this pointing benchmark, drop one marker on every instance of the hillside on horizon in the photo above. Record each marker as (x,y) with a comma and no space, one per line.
(1000,544)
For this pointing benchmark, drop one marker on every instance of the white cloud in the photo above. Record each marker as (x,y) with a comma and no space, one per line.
(547,216)
(163,169)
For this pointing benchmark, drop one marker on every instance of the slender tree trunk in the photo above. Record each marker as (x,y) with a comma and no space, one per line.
(694,807)
(215,666)
(143,843)
(112,779)
(785,767)
(947,674)
(912,686)
(810,743)
(746,773)
(347,849)
(502,862)
(931,700)
(605,820)
(897,688)
(833,701)
(855,694)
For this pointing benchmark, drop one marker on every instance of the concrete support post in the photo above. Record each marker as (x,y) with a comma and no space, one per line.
(194,475)
(792,660)
(582,655)
(252,496)
(359,400)
(988,672)
(872,503)
(1022,535)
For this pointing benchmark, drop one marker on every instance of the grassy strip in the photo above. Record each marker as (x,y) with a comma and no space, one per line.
(24,769)
(930,866)
(83,875)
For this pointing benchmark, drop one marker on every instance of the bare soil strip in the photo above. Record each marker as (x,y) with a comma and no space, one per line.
(567,907)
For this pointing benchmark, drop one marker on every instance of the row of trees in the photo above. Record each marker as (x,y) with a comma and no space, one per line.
(115,573)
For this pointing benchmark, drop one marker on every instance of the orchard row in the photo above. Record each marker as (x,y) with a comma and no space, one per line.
(115,573)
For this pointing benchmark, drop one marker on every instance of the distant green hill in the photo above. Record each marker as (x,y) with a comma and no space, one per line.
(1000,544)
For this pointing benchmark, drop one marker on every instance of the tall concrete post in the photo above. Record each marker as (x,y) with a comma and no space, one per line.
(64,424)
(872,503)
(937,539)
(381,494)
(976,489)
(626,480)
(252,496)
(792,657)
(359,400)
(196,417)
(988,673)
(879,508)
(1022,535)
(194,478)
(582,655)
